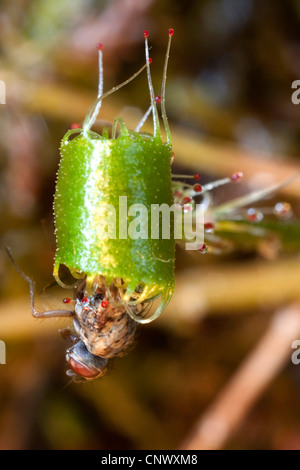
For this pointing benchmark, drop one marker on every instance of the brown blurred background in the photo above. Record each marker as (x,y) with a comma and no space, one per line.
(231,68)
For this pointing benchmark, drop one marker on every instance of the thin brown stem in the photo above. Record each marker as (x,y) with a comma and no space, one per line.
(221,420)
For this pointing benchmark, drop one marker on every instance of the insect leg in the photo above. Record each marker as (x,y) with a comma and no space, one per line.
(68,335)
(35,313)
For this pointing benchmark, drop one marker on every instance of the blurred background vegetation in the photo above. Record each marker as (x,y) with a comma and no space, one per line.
(229,104)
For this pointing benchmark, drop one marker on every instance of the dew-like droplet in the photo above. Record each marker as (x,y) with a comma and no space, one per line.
(146,33)
(236,177)
(67,300)
(158,99)
(100,46)
(187,208)
(171,32)
(209,227)
(197,176)
(254,215)
(198,188)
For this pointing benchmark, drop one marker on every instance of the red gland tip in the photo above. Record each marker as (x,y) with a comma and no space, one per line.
(100,46)
(282,209)
(150,60)
(67,300)
(157,99)
(254,215)
(208,227)
(203,248)
(197,176)
(104,303)
(198,188)
(237,176)
(84,299)
(146,34)
(186,200)
(75,125)
(171,32)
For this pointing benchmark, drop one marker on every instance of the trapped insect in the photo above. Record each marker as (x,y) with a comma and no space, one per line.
(114,280)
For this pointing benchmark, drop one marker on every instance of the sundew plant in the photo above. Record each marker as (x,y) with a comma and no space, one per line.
(115,276)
